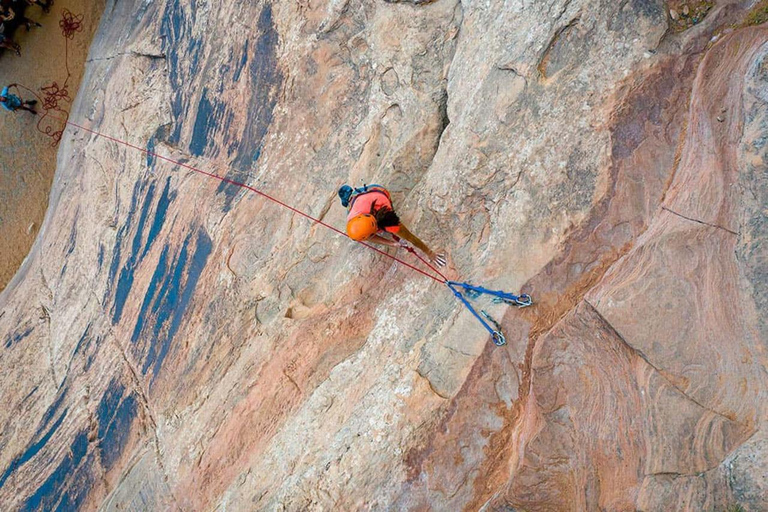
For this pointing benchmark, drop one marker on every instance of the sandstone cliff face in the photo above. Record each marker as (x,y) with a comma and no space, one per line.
(177,343)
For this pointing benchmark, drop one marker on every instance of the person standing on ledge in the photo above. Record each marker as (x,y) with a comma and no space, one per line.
(12,103)
(370,215)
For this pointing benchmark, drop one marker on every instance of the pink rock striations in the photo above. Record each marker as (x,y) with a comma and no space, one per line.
(173,342)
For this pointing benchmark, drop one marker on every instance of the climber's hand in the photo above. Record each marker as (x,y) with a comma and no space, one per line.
(439,259)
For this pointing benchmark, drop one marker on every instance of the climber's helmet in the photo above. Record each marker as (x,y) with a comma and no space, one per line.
(362,227)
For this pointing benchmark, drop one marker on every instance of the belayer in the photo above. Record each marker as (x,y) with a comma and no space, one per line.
(371,215)
(11,102)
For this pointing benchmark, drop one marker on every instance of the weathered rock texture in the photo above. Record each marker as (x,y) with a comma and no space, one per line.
(176,343)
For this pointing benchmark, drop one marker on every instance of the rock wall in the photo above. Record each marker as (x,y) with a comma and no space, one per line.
(175,342)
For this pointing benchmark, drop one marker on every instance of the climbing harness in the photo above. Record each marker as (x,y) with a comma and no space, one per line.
(472,291)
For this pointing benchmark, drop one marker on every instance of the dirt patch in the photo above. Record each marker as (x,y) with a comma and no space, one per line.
(28,157)
(684,14)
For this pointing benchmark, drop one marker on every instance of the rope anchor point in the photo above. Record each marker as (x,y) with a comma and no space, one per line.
(472,291)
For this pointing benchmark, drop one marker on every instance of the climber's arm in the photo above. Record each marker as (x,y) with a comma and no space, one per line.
(414,240)
(376,239)
(438,258)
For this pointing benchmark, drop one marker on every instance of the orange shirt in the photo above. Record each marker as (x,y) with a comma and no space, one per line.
(362,203)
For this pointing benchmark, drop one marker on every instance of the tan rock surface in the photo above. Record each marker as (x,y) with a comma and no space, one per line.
(178,343)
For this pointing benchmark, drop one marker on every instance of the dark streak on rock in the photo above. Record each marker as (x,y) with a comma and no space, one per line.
(125,281)
(68,485)
(18,336)
(180,48)
(241,64)
(165,302)
(137,254)
(72,237)
(41,439)
(265,82)
(209,114)
(115,414)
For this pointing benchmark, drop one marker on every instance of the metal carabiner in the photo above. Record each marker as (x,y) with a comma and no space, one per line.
(521,301)
(498,336)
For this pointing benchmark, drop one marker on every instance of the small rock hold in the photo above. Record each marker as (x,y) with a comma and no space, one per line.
(673,14)
(30,228)
(685,10)
(720,118)
(389,81)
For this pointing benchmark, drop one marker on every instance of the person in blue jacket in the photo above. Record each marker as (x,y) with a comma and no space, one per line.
(12,103)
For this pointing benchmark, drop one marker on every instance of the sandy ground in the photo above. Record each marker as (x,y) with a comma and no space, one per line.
(27,157)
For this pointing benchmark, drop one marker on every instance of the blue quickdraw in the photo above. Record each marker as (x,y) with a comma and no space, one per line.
(520,301)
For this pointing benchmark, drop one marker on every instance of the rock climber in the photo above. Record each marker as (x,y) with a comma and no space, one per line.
(371,215)
(12,103)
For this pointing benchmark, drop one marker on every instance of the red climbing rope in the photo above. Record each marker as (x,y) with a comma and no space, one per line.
(413,251)
(70,24)
(435,270)
(262,194)
(53,94)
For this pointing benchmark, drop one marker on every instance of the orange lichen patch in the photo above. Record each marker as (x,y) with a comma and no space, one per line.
(684,14)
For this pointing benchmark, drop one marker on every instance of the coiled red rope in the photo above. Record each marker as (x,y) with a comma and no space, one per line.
(70,24)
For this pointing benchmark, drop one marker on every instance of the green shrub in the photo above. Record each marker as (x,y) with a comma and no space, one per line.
(757,16)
